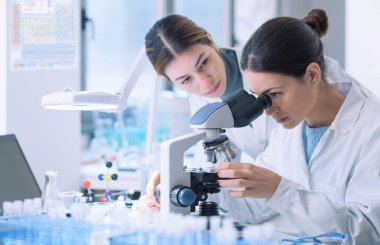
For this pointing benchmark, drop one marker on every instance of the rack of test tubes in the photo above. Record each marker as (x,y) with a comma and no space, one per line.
(113,223)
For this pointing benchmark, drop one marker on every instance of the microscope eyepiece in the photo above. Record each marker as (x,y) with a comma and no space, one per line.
(265,100)
(245,107)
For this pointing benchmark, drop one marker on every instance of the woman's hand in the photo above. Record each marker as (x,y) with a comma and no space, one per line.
(149,203)
(153,182)
(257,182)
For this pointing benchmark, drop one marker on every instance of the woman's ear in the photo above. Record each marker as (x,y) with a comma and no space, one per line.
(212,44)
(313,74)
(210,37)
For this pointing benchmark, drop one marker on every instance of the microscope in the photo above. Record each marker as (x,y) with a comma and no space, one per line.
(183,189)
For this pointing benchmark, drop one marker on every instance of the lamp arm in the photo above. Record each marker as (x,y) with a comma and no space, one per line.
(132,79)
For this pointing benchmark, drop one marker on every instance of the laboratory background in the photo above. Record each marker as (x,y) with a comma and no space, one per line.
(52,47)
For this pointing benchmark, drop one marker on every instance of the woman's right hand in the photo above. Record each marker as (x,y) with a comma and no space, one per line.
(149,203)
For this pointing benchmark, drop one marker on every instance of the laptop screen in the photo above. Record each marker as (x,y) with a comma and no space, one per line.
(17,181)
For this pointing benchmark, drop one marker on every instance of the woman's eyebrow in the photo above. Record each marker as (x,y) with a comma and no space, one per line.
(180,78)
(266,91)
(196,65)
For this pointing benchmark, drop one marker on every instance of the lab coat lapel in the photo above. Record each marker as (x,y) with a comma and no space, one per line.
(319,147)
(300,167)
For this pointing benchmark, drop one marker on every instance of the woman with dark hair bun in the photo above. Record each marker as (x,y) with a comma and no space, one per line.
(321,170)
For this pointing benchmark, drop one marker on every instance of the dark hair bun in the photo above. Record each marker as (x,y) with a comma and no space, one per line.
(317,19)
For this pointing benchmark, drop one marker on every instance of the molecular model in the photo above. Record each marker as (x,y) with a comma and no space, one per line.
(107,177)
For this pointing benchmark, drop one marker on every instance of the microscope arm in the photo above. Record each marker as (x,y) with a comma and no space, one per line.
(172,172)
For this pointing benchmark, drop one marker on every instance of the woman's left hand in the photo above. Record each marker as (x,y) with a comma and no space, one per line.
(257,182)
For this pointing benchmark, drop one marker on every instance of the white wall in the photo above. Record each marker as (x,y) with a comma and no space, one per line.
(3,73)
(49,139)
(363,42)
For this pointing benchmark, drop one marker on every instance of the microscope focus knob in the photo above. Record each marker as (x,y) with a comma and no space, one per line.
(182,196)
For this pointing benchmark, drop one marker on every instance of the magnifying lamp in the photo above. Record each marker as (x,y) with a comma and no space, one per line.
(96,101)
(81,101)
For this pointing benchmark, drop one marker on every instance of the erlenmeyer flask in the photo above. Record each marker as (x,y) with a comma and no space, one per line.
(50,191)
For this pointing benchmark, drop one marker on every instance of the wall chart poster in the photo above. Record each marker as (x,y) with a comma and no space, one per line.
(44,34)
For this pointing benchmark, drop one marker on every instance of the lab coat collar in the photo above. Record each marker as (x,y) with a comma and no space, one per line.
(348,114)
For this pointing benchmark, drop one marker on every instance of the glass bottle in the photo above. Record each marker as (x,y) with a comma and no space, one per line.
(50,191)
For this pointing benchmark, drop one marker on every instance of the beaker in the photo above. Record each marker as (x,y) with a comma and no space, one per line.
(50,191)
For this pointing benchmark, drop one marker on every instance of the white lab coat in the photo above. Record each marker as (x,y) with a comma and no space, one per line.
(340,188)
(338,191)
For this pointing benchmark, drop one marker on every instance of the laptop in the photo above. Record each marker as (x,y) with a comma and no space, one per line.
(17,181)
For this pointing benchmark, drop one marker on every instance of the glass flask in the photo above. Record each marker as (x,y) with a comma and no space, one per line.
(50,192)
